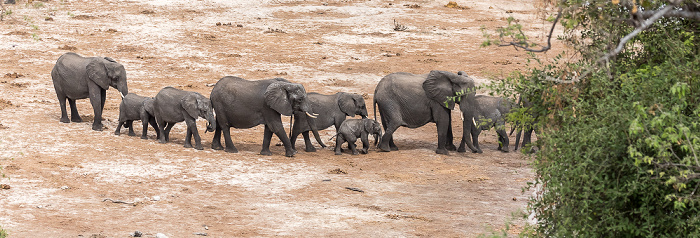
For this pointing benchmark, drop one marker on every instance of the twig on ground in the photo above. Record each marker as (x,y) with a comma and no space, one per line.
(119,201)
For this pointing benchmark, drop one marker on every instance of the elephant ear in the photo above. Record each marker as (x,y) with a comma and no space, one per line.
(276,98)
(438,87)
(97,72)
(189,103)
(368,124)
(346,104)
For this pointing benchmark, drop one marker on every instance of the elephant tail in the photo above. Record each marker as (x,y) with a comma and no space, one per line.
(374,104)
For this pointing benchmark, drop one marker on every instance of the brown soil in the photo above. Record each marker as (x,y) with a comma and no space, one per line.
(65,178)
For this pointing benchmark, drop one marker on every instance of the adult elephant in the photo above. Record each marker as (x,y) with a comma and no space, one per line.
(244,104)
(486,112)
(332,110)
(413,100)
(76,77)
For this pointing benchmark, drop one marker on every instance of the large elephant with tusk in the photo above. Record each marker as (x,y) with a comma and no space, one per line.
(76,77)
(244,104)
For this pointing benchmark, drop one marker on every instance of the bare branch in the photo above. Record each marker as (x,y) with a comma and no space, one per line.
(634,33)
(549,38)
(674,13)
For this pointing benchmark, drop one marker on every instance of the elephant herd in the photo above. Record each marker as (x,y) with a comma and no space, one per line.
(403,99)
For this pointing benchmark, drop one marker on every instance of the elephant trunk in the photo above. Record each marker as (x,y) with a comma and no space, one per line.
(211,121)
(121,87)
(363,113)
(314,129)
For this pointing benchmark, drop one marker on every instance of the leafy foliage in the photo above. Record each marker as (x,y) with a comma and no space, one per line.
(620,146)
(3,233)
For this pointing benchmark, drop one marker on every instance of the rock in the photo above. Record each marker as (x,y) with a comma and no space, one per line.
(161,235)
(200,234)
(155,198)
(65,187)
(136,234)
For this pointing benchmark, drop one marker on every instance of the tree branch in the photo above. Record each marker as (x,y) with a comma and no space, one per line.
(549,38)
(674,13)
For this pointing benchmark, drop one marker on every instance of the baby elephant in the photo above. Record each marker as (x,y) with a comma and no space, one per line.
(173,105)
(351,129)
(131,109)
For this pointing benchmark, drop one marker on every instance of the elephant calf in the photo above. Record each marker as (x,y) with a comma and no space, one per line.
(173,105)
(332,110)
(351,129)
(133,108)
(488,112)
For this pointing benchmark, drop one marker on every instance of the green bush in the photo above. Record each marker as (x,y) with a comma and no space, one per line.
(619,148)
(3,233)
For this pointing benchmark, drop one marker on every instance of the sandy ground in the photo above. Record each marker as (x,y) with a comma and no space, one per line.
(64,177)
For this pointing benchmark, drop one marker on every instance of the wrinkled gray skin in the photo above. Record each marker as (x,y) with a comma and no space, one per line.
(173,105)
(351,129)
(413,100)
(76,77)
(132,108)
(147,115)
(332,110)
(488,112)
(244,104)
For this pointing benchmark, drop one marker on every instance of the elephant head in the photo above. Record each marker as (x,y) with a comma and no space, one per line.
(373,127)
(448,88)
(352,104)
(197,106)
(288,98)
(106,72)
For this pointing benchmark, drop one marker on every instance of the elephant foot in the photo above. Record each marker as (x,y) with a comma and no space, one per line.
(442,151)
(116,133)
(290,153)
(76,119)
(310,149)
(364,151)
(265,152)
(231,150)
(216,146)
(199,147)
(394,148)
(97,127)
(65,120)
(162,141)
(451,147)
(188,145)
(462,149)
(354,152)
(132,134)
(384,148)
(505,151)
(477,151)
(144,137)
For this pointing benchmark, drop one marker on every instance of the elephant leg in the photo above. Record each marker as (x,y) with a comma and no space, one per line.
(161,129)
(339,140)
(307,141)
(365,143)
(188,137)
(352,147)
(96,101)
(119,128)
(503,140)
(267,136)
(192,128)
(74,115)
(517,139)
(230,148)
(216,141)
(167,130)
(475,131)
(62,102)
(462,148)
(144,125)
(450,144)
(387,142)
(441,120)
(467,130)
(131,127)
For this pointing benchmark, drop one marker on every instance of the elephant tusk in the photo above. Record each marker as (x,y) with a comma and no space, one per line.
(120,93)
(461,116)
(315,114)
(312,116)
(474,121)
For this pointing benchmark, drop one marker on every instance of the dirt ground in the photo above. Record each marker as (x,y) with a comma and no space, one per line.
(64,178)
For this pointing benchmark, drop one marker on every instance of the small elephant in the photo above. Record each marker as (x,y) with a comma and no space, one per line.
(413,100)
(488,112)
(332,110)
(132,108)
(351,129)
(76,77)
(525,130)
(173,105)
